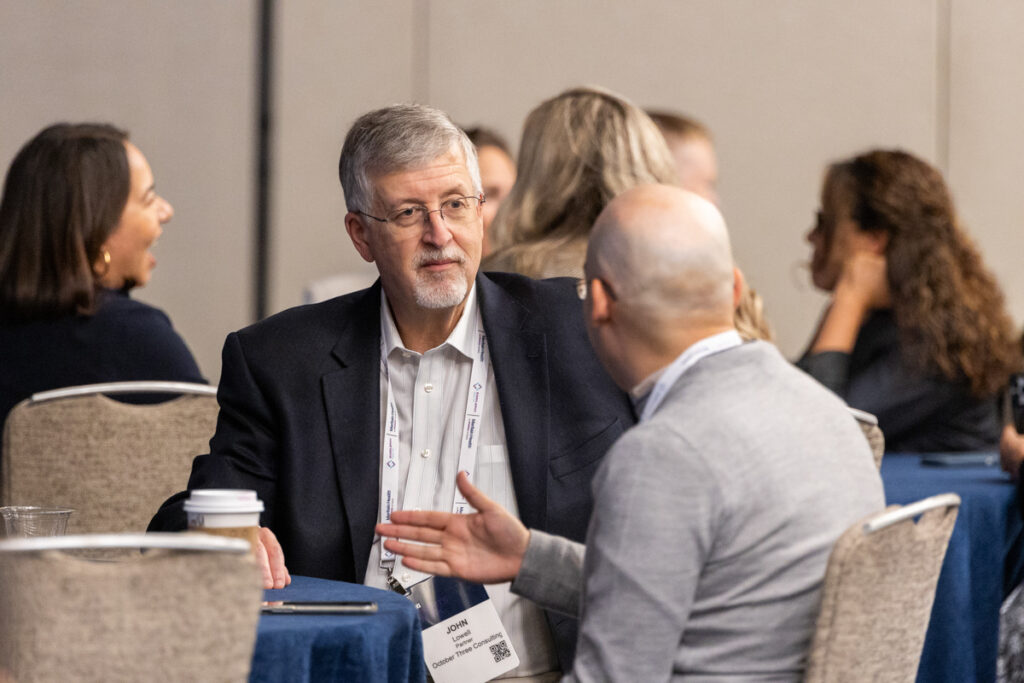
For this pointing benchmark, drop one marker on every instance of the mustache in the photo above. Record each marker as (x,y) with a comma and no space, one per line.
(426,256)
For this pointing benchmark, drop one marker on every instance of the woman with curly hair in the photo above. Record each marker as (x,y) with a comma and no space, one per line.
(916,332)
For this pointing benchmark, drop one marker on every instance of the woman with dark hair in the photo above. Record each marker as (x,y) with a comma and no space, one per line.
(78,215)
(917,331)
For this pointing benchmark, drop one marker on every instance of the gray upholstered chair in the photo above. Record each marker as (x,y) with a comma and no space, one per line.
(1010,668)
(113,462)
(185,611)
(878,593)
(868,424)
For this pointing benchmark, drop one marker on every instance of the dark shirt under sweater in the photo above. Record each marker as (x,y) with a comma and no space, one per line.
(916,412)
(124,340)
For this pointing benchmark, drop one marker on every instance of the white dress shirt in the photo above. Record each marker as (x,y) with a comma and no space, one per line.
(430,396)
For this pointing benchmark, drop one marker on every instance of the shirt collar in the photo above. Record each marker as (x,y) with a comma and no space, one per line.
(646,384)
(463,338)
(698,350)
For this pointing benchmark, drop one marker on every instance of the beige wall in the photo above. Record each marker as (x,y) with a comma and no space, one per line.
(180,77)
(335,62)
(986,151)
(785,85)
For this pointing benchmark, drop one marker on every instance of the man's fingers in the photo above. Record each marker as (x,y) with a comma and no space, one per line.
(417,550)
(411,533)
(261,558)
(427,566)
(423,518)
(473,495)
(274,560)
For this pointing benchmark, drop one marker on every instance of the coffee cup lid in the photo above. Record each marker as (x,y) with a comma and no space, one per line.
(212,501)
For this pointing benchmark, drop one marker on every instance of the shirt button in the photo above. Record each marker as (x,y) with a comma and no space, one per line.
(428,387)
(405,354)
(425,453)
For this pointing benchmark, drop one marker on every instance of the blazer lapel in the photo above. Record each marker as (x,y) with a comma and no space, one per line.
(352,401)
(519,358)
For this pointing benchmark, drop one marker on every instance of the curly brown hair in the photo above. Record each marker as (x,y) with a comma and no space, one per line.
(948,306)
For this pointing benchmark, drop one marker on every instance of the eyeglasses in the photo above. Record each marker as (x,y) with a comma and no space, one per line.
(455,211)
(582,287)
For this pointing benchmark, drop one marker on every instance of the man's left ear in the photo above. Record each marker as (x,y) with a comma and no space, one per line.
(357,233)
(600,302)
(737,287)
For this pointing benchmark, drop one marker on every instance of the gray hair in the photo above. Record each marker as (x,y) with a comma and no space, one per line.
(397,138)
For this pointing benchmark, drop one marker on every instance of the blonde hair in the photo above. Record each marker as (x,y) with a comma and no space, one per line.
(579,150)
(679,126)
(749,317)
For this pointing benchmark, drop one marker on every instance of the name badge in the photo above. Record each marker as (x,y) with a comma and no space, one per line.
(463,639)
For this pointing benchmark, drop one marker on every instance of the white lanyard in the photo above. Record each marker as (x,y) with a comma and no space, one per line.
(686,360)
(469,440)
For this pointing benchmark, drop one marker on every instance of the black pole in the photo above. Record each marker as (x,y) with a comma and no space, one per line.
(264,92)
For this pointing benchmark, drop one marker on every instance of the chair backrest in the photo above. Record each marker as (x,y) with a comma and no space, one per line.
(868,424)
(113,462)
(187,611)
(878,593)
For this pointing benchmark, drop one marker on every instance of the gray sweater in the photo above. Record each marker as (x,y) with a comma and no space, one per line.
(712,525)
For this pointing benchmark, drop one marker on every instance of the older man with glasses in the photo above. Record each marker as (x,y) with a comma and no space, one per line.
(339,412)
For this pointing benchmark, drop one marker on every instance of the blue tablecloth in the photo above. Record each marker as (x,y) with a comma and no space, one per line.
(386,646)
(962,640)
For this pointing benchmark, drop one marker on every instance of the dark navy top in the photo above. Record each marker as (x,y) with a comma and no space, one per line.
(124,340)
(916,412)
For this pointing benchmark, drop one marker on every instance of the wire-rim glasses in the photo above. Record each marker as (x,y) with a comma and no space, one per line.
(455,210)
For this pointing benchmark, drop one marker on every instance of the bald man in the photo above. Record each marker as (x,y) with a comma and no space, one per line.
(715,515)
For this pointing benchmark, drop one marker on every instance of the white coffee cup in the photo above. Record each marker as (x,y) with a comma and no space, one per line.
(225,512)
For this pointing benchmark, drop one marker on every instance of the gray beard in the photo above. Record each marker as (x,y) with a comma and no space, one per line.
(442,292)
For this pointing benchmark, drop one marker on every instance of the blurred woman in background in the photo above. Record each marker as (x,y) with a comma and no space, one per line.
(917,331)
(578,151)
(78,216)
(497,174)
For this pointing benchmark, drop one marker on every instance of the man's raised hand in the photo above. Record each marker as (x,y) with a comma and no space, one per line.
(485,547)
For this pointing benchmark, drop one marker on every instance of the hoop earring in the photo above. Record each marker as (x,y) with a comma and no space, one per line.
(106,264)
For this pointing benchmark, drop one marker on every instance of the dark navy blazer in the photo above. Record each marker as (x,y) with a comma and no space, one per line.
(124,340)
(300,422)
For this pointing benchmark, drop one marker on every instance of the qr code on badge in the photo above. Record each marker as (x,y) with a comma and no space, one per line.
(500,651)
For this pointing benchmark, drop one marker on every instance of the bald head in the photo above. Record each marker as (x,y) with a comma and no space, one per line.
(665,252)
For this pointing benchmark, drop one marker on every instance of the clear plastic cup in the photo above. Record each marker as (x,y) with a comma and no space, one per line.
(35,520)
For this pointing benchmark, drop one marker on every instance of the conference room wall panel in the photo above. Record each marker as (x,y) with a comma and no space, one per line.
(785,86)
(333,62)
(181,78)
(986,145)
